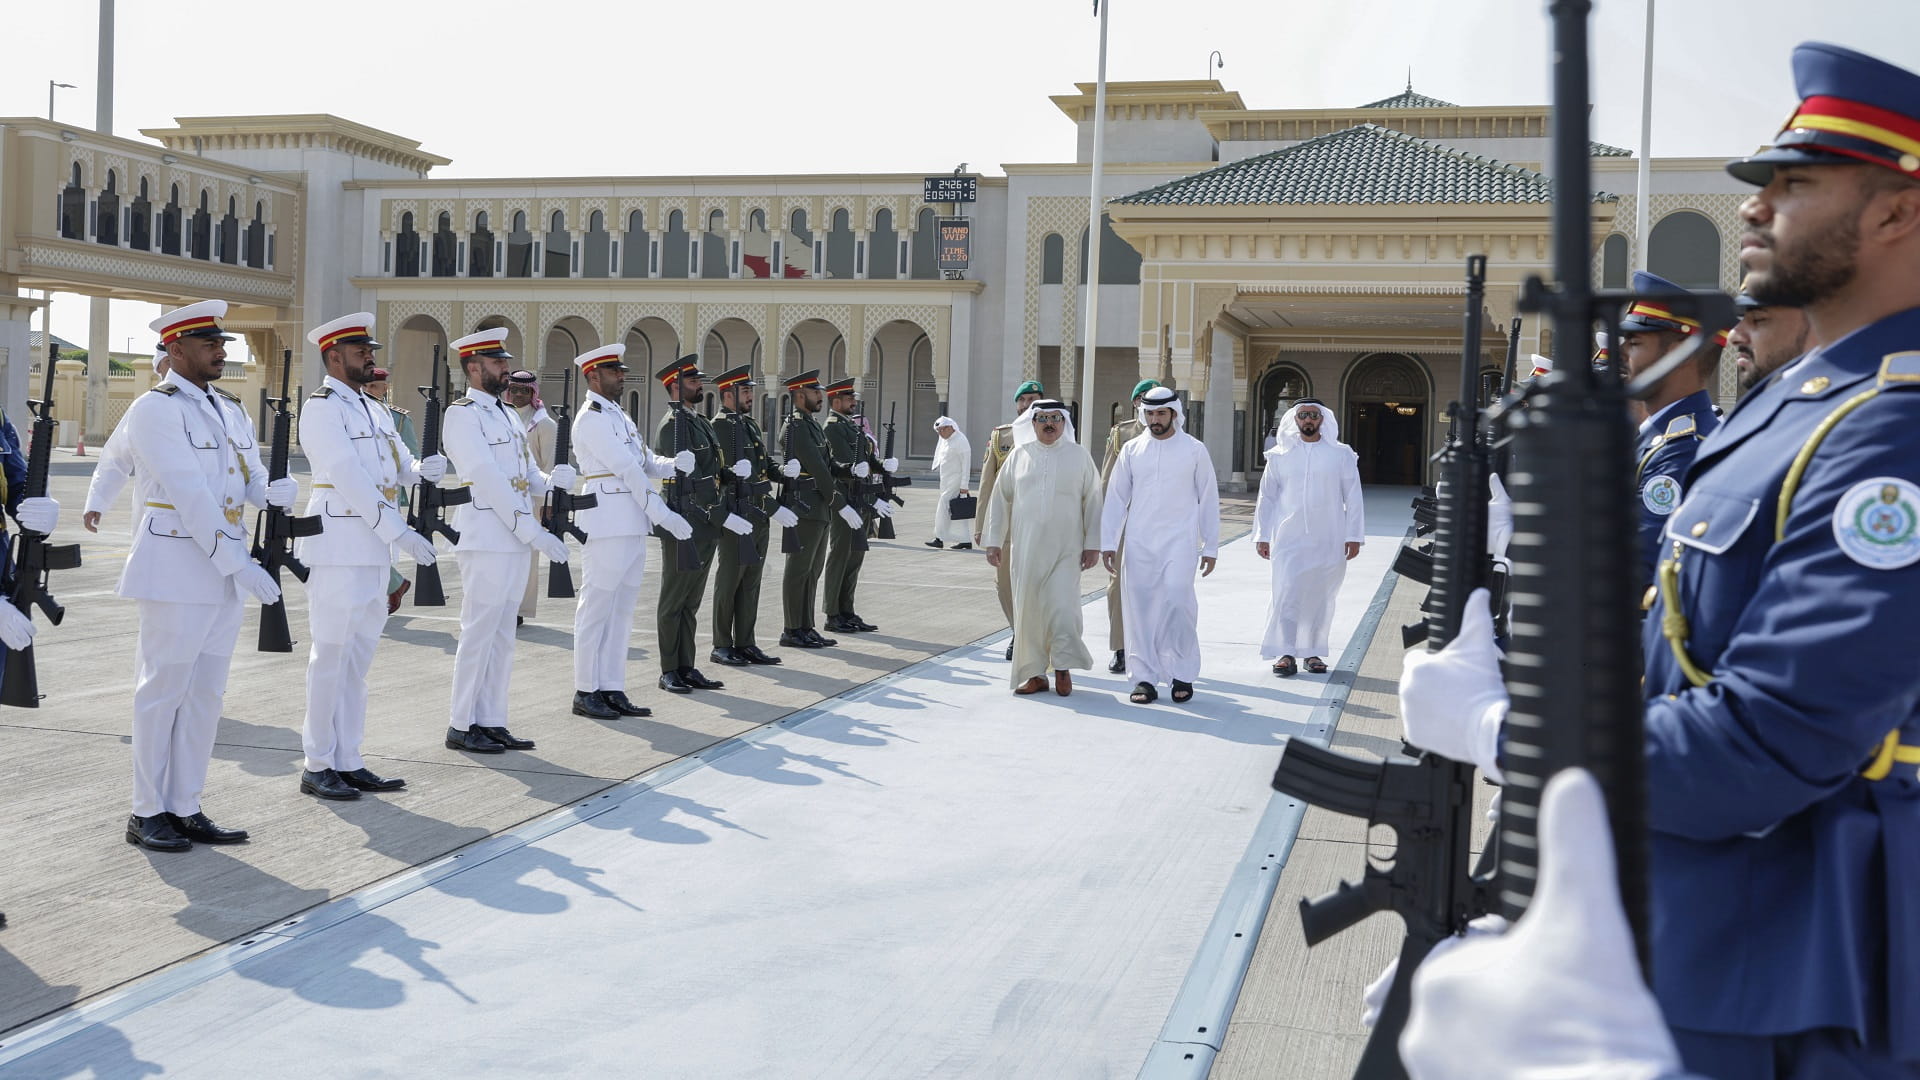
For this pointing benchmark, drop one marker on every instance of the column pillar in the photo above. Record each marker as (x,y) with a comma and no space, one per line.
(99,361)
(861,252)
(1222,395)
(16,355)
(736,258)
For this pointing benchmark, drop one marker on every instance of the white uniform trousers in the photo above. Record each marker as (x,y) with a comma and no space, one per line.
(490,586)
(603,623)
(181,662)
(346,610)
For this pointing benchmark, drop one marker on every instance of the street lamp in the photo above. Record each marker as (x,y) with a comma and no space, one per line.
(50,88)
(1215,60)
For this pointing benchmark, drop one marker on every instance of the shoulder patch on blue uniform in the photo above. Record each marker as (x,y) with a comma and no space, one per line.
(1900,367)
(1877,523)
(168,389)
(1682,425)
(1660,495)
(323,392)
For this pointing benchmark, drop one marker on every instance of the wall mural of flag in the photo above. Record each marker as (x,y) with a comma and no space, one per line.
(756,255)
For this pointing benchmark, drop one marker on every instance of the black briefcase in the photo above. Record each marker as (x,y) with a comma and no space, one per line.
(961,507)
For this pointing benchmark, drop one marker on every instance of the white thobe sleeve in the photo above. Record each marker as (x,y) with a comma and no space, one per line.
(1266,510)
(1113,517)
(1356,505)
(1207,494)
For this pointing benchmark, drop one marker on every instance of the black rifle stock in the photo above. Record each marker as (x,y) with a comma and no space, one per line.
(1426,800)
(275,529)
(888,481)
(857,500)
(792,491)
(428,514)
(33,557)
(679,494)
(741,502)
(562,505)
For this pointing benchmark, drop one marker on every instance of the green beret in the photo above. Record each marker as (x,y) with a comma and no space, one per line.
(1031,386)
(1142,387)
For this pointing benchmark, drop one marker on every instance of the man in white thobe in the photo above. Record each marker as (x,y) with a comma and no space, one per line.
(360,468)
(1049,490)
(1164,501)
(950,461)
(1309,522)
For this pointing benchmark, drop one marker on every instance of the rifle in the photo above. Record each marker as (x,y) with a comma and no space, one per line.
(1426,800)
(856,494)
(428,514)
(791,489)
(679,494)
(33,557)
(562,505)
(888,481)
(275,529)
(740,497)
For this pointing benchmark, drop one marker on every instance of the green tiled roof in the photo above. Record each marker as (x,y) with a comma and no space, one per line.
(1407,99)
(1362,164)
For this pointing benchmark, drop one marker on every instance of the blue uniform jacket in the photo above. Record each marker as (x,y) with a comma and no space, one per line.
(1662,454)
(1786,886)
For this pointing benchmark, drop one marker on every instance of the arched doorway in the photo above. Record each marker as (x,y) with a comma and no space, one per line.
(1278,388)
(1386,418)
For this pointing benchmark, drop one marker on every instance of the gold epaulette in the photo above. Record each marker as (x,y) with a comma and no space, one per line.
(593,406)
(323,392)
(224,394)
(461,400)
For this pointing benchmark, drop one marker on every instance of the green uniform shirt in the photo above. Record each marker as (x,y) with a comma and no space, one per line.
(738,436)
(803,440)
(684,429)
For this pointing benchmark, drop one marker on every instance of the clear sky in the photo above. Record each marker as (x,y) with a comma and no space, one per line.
(590,87)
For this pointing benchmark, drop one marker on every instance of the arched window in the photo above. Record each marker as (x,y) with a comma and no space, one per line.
(559,259)
(229,232)
(446,247)
(1119,263)
(883,248)
(171,217)
(713,247)
(673,247)
(480,248)
(406,248)
(200,232)
(106,212)
(926,247)
(1053,257)
(140,221)
(1613,262)
(73,207)
(1684,248)
(519,247)
(638,250)
(596,253)
(256,243)
(840,246)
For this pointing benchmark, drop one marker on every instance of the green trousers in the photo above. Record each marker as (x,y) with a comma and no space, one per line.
(680,593)
(801,583)
(844,558)
(736,589)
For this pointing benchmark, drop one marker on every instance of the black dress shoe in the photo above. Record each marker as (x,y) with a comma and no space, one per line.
(700,682)
(196,826)
(818,641)
(839,625)
(673,683)
(506,738)
(473,741)
(1119,664)
(366,779)
(729,657)
(755,656)
(519,620)
(156,832)
(589,703)
(618,699)
(860,624)
(327,784)
(963,547)
(936,543)
(798,639)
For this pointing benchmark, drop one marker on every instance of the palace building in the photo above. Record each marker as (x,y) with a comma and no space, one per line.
(1249,257)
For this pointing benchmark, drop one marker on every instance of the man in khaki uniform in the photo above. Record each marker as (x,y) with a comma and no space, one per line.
(1123,431)
(999,445)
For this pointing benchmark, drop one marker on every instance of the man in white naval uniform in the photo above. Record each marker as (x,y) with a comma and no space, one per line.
(196,466)
(359,469)
(617,465)
(115,466)
(487,444)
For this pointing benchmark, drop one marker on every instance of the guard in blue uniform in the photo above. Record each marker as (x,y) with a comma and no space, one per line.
(1679,412)
(1783,709)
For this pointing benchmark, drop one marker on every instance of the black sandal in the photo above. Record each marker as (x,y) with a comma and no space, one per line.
(1285,667)
(1316,666)
(1182,692)
(1144,694)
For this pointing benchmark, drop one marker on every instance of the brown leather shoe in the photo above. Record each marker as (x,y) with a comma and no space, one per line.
(393,598)
(1032,686)
(1062,682)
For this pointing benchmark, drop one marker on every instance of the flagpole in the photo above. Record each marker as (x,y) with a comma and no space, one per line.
(1643,200)
(1094,206)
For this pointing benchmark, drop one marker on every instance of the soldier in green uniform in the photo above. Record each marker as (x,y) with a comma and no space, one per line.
(736,583)
(808,473)
(1126,429)
(999,445)
(854,466)
(694,496)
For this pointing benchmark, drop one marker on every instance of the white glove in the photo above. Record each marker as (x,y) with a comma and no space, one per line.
(282,492)
(254,579)
(743,468)
(1558,995)
(1375,997)
(678,527)
(737,525)
(431,468)
(861,469)
(1452,702)
(554,548)
(1499,518)
(852,517)
(417,547)
(791,469)
(563,477)
(683,462)
(884,509)
(785,518)
(892,464)
(39,514)
(16,630)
